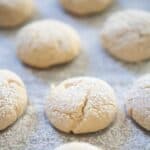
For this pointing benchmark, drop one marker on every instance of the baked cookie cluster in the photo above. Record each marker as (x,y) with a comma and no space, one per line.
(78,105)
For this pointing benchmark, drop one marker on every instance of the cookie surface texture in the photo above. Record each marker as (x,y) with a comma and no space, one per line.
(81,105)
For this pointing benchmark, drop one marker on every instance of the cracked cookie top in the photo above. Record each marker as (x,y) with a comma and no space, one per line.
(13,98)
(81,105)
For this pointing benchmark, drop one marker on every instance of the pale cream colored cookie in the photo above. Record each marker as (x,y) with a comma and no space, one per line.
(77,146)
(126,35)
(46,43)
(138,102)
(13,98)
(85,7)
(81,105)
(15,12)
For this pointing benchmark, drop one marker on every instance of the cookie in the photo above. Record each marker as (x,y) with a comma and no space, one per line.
(138,102)
(46,43)
(126,35)
(77,146)
(85,7)
(15,12)
(81,105)
(13,98)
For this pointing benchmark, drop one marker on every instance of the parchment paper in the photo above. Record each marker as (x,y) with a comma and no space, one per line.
(123,134)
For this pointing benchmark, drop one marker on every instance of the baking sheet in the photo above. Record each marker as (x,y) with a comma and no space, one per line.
(35,132)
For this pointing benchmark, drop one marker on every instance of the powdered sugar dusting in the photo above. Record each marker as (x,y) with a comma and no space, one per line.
(17,136)
(93,61)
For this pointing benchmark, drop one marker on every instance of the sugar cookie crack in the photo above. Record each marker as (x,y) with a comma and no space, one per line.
(76,116)
(82,110)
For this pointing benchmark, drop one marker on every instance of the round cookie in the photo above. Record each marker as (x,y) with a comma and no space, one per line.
(138,102)
(77,146)
(13,98)
(15,12)
(81,105)
(46,43)
(126,35)
(85,7)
